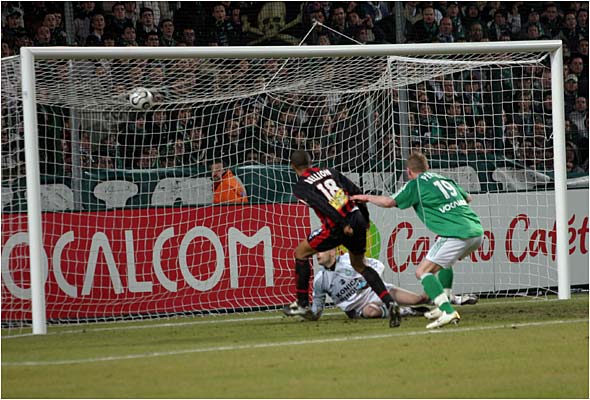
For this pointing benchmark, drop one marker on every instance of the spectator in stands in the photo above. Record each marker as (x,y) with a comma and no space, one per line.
(570,32)
(145,26)
(514,19)
(268,136)
(425,30)
(118,21)
(511,140)
(338,20)
(233,144)
(227,188)
(252,157)
(131,138)
(450,120)
(316,13)
(377,10)
(353,22)
(525,116)
(572,159)
(188,36)
(82,22)
(97,24)
(324,40)
(184,123)
(571,93)
(315,151)
(221,29)
(472,97)
(6,49)
(582,51)
(58,35)
(282,144)
(109,146)
(159,129)
(551,20)
(533,19)
(104,161)
(13,26)
(131,12)
(445,31)
(532,33)
(361,35)
(235,18)
(22,40)
(476,32)
(178,150)
(152,39)
(129,37)
(471,15)
(298,139)
(149,158)
(43,37)
(454,13)
(499,26)
(374,33)
(429,127)
(167,33)
(108,40)
(576,67)
(582,18)
(412,14)
(579,116)
(196,148)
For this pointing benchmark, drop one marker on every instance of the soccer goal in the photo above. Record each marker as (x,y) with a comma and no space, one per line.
(118,220)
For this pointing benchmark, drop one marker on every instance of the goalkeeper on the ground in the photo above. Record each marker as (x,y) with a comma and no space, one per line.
(350,292)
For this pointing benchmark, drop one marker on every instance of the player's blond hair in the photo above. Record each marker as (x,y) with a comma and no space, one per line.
(417,162)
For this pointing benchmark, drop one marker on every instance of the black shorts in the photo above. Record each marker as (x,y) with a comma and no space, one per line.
(324,239)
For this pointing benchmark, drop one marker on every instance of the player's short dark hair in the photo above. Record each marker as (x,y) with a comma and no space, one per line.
(300,159)
(417,162)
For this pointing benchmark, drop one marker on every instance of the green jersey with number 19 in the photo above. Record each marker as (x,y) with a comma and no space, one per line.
(441,205)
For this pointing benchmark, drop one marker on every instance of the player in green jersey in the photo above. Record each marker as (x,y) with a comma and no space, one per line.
(443,206)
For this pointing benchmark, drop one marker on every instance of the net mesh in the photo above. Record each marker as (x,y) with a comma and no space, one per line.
(130,224)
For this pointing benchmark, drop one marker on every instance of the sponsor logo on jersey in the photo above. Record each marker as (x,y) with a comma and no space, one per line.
(451,205)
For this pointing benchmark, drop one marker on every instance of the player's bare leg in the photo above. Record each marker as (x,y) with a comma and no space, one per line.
(432,287)
(402,296)
(376,283)
(302,274)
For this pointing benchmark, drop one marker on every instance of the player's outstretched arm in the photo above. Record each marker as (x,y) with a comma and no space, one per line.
(381,201)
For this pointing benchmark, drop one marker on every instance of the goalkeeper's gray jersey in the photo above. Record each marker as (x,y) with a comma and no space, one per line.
(346,287)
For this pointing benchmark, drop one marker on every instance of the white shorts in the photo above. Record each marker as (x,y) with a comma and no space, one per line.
(447,251)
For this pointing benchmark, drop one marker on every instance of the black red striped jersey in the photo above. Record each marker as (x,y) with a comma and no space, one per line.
(328,192)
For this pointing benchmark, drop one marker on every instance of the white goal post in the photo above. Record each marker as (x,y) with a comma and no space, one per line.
(29,56)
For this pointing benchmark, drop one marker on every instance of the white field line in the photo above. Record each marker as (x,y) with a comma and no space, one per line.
(449,330)
(123,325)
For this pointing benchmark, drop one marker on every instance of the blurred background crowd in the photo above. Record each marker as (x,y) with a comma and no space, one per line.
(446,116)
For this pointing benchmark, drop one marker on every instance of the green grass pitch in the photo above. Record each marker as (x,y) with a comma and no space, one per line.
(522,348)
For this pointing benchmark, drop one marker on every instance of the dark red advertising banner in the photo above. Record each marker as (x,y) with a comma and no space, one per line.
(155,261)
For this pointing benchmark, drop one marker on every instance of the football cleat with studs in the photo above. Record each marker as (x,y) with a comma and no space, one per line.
(294,309)
(445,319)
(395,317)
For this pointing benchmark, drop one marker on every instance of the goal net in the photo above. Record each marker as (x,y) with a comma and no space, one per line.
(129,226)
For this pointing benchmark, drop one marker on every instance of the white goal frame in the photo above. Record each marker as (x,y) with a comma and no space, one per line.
(30,54)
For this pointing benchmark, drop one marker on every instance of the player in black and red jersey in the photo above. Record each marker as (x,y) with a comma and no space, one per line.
(344,222)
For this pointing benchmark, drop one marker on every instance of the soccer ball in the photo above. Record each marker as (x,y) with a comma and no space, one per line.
(141,99)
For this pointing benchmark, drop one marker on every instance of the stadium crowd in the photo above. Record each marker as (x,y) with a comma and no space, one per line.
(450,115)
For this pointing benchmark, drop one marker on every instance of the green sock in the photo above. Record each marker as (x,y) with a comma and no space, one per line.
(434,290)
(445,276)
